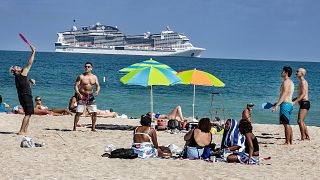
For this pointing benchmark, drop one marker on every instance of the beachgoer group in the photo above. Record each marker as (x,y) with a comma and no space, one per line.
(238,143)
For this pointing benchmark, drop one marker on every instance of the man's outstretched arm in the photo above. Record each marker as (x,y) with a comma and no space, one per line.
(30,62)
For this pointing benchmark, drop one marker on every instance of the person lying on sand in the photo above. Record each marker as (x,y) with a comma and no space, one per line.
(177,111)
(40,109)
(102,113)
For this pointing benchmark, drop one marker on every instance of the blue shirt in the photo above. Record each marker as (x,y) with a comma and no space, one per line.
(2,107)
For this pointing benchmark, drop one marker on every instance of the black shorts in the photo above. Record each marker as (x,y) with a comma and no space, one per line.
(27,104)
(304,105)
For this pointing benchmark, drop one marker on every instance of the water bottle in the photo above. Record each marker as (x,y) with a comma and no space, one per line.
(153,124)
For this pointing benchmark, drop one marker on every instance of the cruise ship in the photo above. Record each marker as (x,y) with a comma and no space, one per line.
(103,39)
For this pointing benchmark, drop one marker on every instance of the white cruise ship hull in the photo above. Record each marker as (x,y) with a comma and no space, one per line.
(189,52)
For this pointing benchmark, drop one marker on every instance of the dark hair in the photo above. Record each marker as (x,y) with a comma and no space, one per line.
(89,63)
(204,125)
(245,126)
(0,99)
(287,69)
(145,120)
(37,98)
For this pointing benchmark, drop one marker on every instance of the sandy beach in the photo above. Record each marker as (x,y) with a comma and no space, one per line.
(77,155)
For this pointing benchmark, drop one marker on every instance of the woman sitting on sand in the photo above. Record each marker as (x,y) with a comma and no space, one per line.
(145,142)
(232,140)
(44,110)
(251,145)
(73,103)
(198,138)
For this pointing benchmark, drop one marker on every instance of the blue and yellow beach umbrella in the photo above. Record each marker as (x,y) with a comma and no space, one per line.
(150,76)
(147,63)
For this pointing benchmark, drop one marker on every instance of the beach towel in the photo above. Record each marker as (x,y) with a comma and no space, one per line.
(233,137)
(244,158)
(144,150)
(285,112)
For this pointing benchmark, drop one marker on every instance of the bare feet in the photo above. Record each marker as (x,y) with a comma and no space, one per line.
(286,144)
(21,133)
(93,130)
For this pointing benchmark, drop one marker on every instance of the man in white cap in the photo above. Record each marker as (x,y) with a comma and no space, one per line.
(246,113)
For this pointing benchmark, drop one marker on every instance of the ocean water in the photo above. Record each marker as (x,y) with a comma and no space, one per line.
(246,81)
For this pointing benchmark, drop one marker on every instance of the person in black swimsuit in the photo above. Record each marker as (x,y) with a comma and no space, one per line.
(303,100)
(197,139)
(251,143)
(24,90)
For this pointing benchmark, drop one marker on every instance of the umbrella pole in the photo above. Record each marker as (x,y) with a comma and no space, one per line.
(194,99)
(151,103)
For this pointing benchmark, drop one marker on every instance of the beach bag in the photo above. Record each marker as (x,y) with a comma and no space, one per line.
(191,125)
(123,153)
(206,153)
(174,124)
(27,142)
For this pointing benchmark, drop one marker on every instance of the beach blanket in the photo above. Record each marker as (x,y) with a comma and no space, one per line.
(233,137)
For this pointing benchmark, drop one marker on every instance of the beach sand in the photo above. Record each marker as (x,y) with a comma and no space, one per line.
(77,155)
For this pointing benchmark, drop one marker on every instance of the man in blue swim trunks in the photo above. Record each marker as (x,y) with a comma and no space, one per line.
(285,103)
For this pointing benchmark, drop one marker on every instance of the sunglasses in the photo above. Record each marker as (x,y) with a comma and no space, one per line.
(38,99)
(87,66)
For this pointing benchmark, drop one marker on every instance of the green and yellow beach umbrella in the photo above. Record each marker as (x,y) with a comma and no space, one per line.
(147,63)
(150,76)
(197,77)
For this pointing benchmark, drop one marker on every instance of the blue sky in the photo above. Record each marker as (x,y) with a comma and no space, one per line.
(240,29)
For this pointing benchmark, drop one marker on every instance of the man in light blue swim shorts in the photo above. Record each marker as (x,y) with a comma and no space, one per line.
(285,103)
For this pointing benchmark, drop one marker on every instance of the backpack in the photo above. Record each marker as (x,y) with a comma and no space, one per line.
(206,153)
(174,124)
(123,154)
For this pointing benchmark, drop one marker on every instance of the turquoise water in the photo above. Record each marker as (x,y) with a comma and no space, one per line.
(246,81)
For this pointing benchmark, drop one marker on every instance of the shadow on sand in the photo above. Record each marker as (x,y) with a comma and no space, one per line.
(113,127)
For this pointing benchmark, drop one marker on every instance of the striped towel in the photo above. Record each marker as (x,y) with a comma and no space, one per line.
(234,138)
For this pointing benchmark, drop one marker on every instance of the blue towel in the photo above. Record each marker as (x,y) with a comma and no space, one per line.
(234,138)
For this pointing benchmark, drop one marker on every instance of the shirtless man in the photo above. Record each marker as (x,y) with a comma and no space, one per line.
(303,100)
(86,81)
(246,114)
(24,90)
(285,102)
